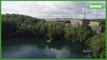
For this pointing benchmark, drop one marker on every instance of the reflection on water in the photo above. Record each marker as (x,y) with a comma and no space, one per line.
(35,51)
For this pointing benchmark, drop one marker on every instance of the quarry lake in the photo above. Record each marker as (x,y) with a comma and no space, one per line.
(38,48)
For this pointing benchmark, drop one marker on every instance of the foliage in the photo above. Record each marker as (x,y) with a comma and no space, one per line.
(98,44)
(14,25)
(55,30)
(78,34)
(17,25)
(70,33)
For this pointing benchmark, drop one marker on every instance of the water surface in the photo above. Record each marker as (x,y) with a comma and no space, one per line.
(22,48)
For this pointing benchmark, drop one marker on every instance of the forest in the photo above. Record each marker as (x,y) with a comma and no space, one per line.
(18,26)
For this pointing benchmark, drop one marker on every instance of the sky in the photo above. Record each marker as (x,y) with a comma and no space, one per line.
(58,9)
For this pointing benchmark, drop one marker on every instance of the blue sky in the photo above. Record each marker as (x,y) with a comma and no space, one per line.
(39,9)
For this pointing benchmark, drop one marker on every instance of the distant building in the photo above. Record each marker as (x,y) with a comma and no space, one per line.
(76,22)
(84,23)
(95,26)
(94,23)
(96,29)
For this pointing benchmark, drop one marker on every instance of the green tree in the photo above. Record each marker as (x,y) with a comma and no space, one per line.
(77,34)
(98,44)
(70,33)
(82,33)
(54,30)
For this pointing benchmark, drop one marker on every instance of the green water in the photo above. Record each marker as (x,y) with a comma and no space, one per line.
(39,48)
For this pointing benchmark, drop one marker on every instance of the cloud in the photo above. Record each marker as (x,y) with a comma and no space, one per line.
(52,9)
(63,53)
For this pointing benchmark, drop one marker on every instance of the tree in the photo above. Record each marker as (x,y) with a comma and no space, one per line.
(82,33)
(97,45)
(17,25)
(54,30)
(70,33)
(77,34)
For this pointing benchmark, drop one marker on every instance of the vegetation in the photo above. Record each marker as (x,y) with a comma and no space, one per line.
(14,25)
(97,45)
(77,34)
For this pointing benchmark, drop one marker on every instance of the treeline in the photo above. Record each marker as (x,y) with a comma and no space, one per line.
(17,25)
(14,25)
(24,26)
